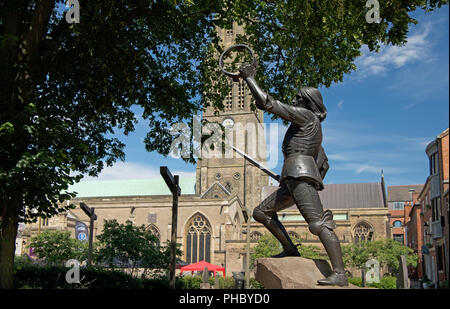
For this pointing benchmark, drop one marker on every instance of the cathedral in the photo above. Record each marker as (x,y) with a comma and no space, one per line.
(215,204)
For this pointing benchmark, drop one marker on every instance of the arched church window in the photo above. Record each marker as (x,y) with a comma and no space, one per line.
(362,232)
(255,236)
(155,232)
(198,240)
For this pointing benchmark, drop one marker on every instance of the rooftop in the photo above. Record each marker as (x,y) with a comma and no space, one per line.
(402,193)
(348,195)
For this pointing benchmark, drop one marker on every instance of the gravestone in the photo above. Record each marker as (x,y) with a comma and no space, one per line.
(402,277)
(205,280)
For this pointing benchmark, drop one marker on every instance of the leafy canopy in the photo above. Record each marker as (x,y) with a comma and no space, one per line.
(67,88)
(57,247)
(131,246)
(386,251)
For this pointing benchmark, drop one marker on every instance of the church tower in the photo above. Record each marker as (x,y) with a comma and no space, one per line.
(229,174)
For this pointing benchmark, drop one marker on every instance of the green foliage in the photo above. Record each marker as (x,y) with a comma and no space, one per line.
(387,282)
(127,245)
(268,246)
(190,282)
(386,252)
(53,277)
(255,284)
(57,247)
(355,281)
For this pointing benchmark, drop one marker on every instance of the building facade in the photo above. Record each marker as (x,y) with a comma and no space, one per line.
(438,156)
(400,203)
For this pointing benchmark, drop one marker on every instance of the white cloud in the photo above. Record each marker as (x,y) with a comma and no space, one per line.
(133,170)
(340,104)
(359,168)
(394,57)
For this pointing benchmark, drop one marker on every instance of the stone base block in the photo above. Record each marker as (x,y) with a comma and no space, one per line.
(293,273)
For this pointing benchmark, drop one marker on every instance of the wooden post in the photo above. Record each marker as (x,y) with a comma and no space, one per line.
(91,236)
(173,184)
(90,212)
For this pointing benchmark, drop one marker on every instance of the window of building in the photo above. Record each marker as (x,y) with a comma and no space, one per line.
(399,205)
(229,101)
(241,95)
(397,223)
(362,232)
(155,232)
(44,221)
(436,209)
(434,163)
(399,237)
(198,240)
(440,258)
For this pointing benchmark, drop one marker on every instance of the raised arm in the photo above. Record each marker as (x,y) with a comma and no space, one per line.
(264,101)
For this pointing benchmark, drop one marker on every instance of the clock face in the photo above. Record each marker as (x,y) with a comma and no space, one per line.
(228,123)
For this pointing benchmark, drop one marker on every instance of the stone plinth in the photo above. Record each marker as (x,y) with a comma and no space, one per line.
(293,273)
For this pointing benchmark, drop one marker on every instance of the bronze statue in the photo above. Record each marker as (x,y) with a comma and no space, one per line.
(305,166)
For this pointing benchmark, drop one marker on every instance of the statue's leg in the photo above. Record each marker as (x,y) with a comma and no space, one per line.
(320,223)
(266,213)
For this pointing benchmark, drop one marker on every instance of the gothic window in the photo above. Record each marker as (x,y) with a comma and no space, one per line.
(155,232)
(255,236)
(241,95)
(229,32)
(198,240)
(229,102)
(362,232)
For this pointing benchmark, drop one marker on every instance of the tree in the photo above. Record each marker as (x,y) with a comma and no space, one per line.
(57,247)
(385,251)
(66,88)
(132,247)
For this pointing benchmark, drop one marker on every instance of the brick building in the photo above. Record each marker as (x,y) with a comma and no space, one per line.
(400,203)
(428,226)
(438,155)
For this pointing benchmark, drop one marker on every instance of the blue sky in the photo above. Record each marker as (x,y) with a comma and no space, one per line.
(381,117)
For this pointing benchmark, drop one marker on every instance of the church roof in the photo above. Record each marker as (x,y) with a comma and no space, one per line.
(130,187)
(347,195)
(401,193)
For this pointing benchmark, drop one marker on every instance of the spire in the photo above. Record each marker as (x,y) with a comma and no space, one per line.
(383,189)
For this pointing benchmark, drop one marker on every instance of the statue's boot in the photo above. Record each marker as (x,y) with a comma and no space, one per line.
(278,230)
(333,248)
(335,278)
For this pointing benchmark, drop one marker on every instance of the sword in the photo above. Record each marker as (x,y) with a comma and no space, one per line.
(257,164)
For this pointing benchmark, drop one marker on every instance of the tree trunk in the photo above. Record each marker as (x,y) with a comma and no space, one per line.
(8,233)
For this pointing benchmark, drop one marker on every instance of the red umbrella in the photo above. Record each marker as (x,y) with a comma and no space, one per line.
(200,266)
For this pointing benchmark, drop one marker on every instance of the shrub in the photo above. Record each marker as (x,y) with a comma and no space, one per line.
(355,281)
(387,282)
(54,277)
